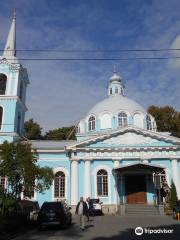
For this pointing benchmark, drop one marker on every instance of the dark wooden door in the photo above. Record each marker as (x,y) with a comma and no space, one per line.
(135,186)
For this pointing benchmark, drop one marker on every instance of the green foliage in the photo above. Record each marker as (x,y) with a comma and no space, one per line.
(63,133)
(173,196)
(7,202)
(167,119)
(19,164)
(32,130)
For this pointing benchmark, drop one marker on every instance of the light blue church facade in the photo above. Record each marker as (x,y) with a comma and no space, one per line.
(118,157)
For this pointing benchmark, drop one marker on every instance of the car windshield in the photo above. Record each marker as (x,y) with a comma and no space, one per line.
(94,200)
(51,206)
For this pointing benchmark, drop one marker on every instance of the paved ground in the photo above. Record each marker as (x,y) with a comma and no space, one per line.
(110,227)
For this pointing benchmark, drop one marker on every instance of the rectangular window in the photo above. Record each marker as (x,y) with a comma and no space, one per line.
(102,185)
(2,183)
(59,187)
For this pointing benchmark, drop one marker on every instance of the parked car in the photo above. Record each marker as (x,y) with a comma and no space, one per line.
(95,206)
(54,213)
(30,208)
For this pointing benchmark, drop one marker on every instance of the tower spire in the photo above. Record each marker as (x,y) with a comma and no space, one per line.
(114,68)
(116,86)
(10,47)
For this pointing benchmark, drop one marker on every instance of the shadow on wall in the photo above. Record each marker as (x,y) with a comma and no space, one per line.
(129,234)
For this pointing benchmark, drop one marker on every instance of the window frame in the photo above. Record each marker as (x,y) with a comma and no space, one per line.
(4,179)
(122,119)
(60,186)
(102,183)
(3,90)
(92,123)
(149,123)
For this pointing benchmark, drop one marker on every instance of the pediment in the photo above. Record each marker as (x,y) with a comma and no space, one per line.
(130,139)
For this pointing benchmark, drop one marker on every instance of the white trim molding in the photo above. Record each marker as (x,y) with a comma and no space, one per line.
(87,179)
(94,173)
(65,171)
(74,183)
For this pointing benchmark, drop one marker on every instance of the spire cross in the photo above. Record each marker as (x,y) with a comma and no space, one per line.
(14,13)
(114,69)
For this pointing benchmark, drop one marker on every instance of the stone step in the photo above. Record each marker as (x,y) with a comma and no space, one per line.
(142,213)
(141,209)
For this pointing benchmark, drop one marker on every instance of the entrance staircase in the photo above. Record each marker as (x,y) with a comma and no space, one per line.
(141,209)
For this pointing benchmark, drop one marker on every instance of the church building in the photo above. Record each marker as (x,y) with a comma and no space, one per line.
(118,157)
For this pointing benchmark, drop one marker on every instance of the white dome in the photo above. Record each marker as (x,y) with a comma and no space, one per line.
(115,111)
(115,103)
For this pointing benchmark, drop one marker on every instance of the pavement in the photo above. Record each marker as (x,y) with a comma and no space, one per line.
(112,227)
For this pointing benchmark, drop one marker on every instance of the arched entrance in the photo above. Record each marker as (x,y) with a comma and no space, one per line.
(135,189)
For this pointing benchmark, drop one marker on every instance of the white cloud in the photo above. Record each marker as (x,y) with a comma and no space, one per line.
(175,63)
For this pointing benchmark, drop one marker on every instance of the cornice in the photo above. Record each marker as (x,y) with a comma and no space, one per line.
(50,150)
(13,134)
(125,149)
(137,130)
(10,97)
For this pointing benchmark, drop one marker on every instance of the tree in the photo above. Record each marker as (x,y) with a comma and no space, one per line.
(167,119)
(19,164)
(64,133)
(32,130)
(173,196)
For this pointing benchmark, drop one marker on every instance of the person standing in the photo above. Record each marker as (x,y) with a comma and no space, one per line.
(87,202)
(82,211)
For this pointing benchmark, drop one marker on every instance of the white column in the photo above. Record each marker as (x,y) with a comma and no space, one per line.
(145,161)
(175,176)
(167,177)
(116,164)
(74,182)
(87,179)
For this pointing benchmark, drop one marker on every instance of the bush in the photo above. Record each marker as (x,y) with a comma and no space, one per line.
(173,196)
(7,203)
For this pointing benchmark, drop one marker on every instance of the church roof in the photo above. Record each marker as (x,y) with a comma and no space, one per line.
(115,103)
(50,144)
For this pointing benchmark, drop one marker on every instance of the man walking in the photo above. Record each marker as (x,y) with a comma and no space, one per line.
(82,211)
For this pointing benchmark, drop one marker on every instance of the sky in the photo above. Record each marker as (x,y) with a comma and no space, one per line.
(60,93)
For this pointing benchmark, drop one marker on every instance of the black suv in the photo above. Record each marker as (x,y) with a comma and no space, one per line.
(54,213)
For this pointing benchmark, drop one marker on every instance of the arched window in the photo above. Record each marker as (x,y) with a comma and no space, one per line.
(110,90)
(1,116)
(3,81)
(149,124)
(2,183)
(59,185)
(77,129)
(116,89)
(122,119)
(92,123)
(102,183)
